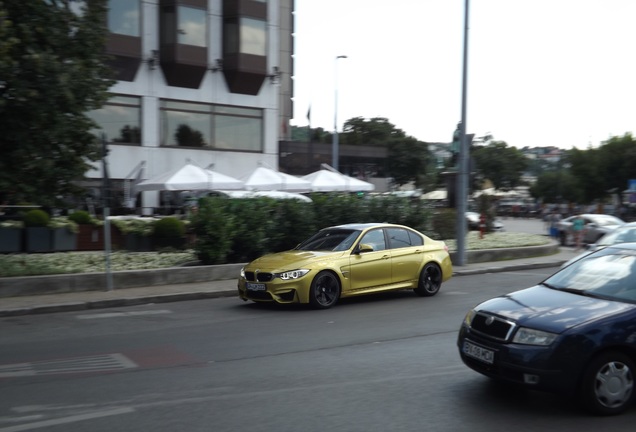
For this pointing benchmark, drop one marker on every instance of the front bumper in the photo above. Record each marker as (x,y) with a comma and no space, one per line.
(275,292)
(535,367)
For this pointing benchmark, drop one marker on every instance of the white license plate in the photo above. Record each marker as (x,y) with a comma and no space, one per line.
(479,353)
(255,286)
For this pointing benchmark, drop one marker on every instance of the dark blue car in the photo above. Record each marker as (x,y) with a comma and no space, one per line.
(574,333)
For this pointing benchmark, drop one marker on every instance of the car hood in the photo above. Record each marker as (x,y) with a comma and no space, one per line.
(292,259)
(551,310)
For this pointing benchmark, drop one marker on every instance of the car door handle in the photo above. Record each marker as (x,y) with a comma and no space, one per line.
(386,257)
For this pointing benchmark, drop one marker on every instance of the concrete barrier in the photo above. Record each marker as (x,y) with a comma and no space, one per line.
(55,284)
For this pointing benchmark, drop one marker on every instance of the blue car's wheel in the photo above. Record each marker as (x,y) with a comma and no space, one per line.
(607,387)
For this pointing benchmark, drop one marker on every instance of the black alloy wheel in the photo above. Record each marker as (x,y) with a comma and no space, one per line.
(430,280)
(607,387)
(324,291)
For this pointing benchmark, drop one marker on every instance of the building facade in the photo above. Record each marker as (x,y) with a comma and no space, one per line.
(202,81)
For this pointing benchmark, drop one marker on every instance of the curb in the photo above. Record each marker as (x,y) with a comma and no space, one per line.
(112,303)
(199,295)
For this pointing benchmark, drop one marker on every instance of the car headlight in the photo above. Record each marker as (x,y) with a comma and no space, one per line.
(468,319)
(528,336)
(292,274)
(243,272)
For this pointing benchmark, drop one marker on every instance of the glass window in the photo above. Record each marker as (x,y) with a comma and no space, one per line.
(123,17)
(375,239)
(185,124)
(199,125)
(119,119)
(253,38)
(399,238)
(416,239)
(238,133)
(230,37)
(191,27)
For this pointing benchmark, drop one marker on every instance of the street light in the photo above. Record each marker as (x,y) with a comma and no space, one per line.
(334,149)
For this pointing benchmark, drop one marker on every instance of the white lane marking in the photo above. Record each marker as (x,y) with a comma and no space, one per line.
(123,314)
(98,363)
(65,420)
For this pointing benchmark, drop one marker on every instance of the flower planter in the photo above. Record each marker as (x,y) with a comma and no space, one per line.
(138,243)
(10,240)
(169,242)
(38,239)
(63,240)
(90,237)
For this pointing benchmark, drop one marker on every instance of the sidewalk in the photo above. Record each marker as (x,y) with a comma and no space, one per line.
(24,305)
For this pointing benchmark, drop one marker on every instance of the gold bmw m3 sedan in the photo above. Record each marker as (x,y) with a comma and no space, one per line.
(345,261)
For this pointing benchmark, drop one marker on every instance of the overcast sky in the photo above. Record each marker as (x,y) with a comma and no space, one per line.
(540,72)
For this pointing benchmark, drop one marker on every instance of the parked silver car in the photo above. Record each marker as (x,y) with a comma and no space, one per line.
(596,226)
(622,234)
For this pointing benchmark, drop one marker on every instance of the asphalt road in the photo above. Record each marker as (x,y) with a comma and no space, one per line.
(382,363)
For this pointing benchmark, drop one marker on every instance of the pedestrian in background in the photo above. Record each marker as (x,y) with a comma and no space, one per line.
(578,225)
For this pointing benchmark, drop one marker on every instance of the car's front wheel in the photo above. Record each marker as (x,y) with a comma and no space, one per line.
(607,387)
(430,280)
(324,291)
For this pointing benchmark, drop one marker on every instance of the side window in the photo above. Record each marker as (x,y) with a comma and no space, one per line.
(399,238)
(375,238)
(416,239)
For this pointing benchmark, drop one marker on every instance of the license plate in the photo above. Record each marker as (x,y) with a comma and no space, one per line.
(255,286)
(479,353)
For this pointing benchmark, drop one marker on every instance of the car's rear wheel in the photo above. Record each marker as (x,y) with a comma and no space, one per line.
(430,280)
(607,387)
(324,291)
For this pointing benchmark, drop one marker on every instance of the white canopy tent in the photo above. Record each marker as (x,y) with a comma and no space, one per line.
(330,180)
(267,179)
(435,195)
(190,177)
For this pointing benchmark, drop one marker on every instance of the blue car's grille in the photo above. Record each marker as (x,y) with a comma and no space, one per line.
(492,326)
(258,277)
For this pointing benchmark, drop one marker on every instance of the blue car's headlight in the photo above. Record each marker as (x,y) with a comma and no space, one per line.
(292,274)
(468,319)
(528,336)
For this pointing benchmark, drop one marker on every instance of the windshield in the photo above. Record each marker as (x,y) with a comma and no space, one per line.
(619,235)
(330,240)
(608,273)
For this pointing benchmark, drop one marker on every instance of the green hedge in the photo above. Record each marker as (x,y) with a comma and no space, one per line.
(240,230)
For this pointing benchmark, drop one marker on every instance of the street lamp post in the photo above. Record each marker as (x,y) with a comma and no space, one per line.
(334,149)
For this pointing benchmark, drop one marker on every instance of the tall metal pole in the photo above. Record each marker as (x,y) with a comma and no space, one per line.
(106,193)
(334,143)
(463,174)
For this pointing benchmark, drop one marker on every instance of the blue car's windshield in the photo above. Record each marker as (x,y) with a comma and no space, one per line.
(330,240)
(609,273)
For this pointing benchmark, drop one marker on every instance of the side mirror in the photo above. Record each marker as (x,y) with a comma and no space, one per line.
(365,248)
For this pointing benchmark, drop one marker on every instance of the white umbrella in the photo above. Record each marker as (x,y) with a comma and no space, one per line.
(435,195)
(190,177)
(268,179)
(333,181)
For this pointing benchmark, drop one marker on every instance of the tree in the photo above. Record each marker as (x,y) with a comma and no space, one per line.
(557,187)
(500,164)
(586,171)
(375,131)
(53,70)
(408,160)
(617,160)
